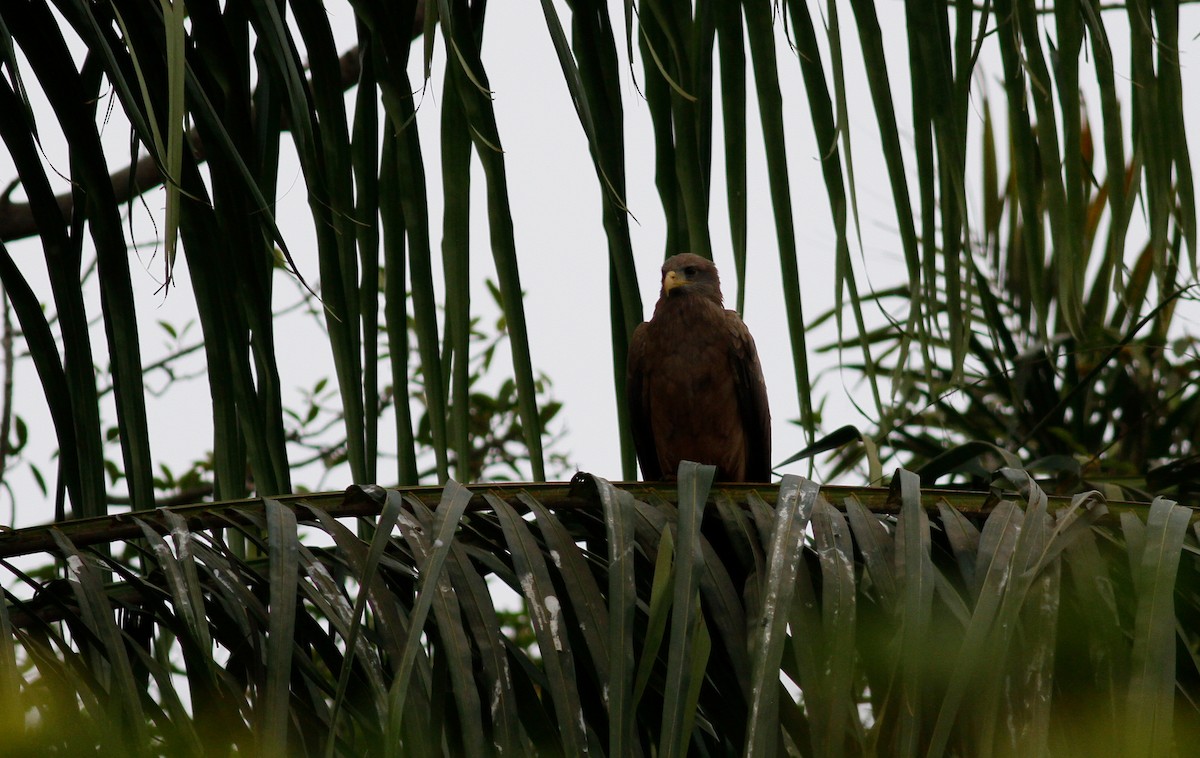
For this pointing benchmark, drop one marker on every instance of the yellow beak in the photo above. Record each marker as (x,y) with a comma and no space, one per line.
(672,280)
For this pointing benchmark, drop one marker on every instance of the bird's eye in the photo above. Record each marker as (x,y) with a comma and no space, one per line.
(690,271)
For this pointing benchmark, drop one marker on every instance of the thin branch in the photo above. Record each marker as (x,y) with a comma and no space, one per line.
(162,363)
(183,497)
(17,221)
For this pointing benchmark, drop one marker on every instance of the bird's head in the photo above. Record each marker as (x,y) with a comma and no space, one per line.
(691,275)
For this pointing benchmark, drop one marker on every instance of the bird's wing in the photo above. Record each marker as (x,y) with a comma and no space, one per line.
(752,400)
(638,402)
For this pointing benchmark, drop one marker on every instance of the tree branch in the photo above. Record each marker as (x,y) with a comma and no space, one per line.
(17,221)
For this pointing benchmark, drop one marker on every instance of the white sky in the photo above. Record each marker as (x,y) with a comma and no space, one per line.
(556,211)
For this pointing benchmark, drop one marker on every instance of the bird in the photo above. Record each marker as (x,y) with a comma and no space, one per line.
(694,384)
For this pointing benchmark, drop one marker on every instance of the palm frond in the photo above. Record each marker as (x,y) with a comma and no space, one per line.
(906,621)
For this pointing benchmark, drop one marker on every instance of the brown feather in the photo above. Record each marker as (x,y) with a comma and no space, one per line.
(695,387)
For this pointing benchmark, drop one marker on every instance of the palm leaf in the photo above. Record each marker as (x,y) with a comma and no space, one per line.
(1008,606)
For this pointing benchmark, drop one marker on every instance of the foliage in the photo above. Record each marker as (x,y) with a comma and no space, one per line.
(785,619)
(313,423)
(1113,403)
(664,620)
(495,436)
(221,84)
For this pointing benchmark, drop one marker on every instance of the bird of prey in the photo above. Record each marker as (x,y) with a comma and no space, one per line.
(694,385)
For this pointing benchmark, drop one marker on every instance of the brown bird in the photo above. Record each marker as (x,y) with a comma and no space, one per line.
(694,385)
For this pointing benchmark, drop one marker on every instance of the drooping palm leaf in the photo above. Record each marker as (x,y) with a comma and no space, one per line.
(892,623)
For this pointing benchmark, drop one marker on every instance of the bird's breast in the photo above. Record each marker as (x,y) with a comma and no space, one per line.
(693,381)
